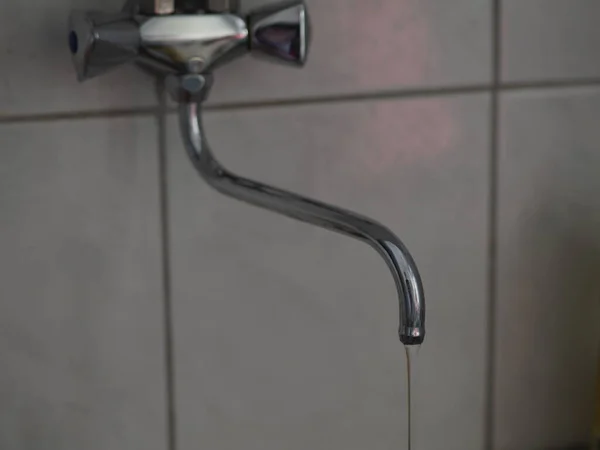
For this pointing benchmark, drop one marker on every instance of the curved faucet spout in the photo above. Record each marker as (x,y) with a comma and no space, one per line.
(393,251)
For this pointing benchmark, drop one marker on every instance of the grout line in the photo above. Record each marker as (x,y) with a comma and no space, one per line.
(168,326)
(413,93)
(549,84)
(345,98)
(492,281)
(311,100)
(79,115)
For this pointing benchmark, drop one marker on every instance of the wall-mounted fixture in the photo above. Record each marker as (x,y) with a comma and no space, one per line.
(185,41)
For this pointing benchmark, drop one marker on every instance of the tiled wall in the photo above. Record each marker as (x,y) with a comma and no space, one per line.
(139,309)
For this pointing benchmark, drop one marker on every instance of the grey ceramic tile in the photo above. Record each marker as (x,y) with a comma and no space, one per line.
(363,45)
(285,333)
(80,318)
(550,39)
(549,253)
(37,75)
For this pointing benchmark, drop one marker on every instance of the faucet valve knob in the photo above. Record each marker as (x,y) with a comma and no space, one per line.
(100,42)
(281,32)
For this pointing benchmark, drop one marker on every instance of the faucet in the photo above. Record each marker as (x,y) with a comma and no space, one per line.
(184,41)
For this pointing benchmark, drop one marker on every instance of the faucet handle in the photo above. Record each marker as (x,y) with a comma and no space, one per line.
(100,42)
(281,32)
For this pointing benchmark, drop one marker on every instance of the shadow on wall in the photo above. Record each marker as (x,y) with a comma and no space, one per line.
(554,324)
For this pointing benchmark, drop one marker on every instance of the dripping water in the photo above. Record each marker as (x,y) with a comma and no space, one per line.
(412,352)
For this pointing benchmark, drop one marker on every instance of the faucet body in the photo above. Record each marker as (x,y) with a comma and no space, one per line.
(185,41)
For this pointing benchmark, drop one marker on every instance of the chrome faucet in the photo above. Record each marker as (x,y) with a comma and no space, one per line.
(185,41)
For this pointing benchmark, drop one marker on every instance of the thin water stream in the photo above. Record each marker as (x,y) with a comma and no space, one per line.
(412,352)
